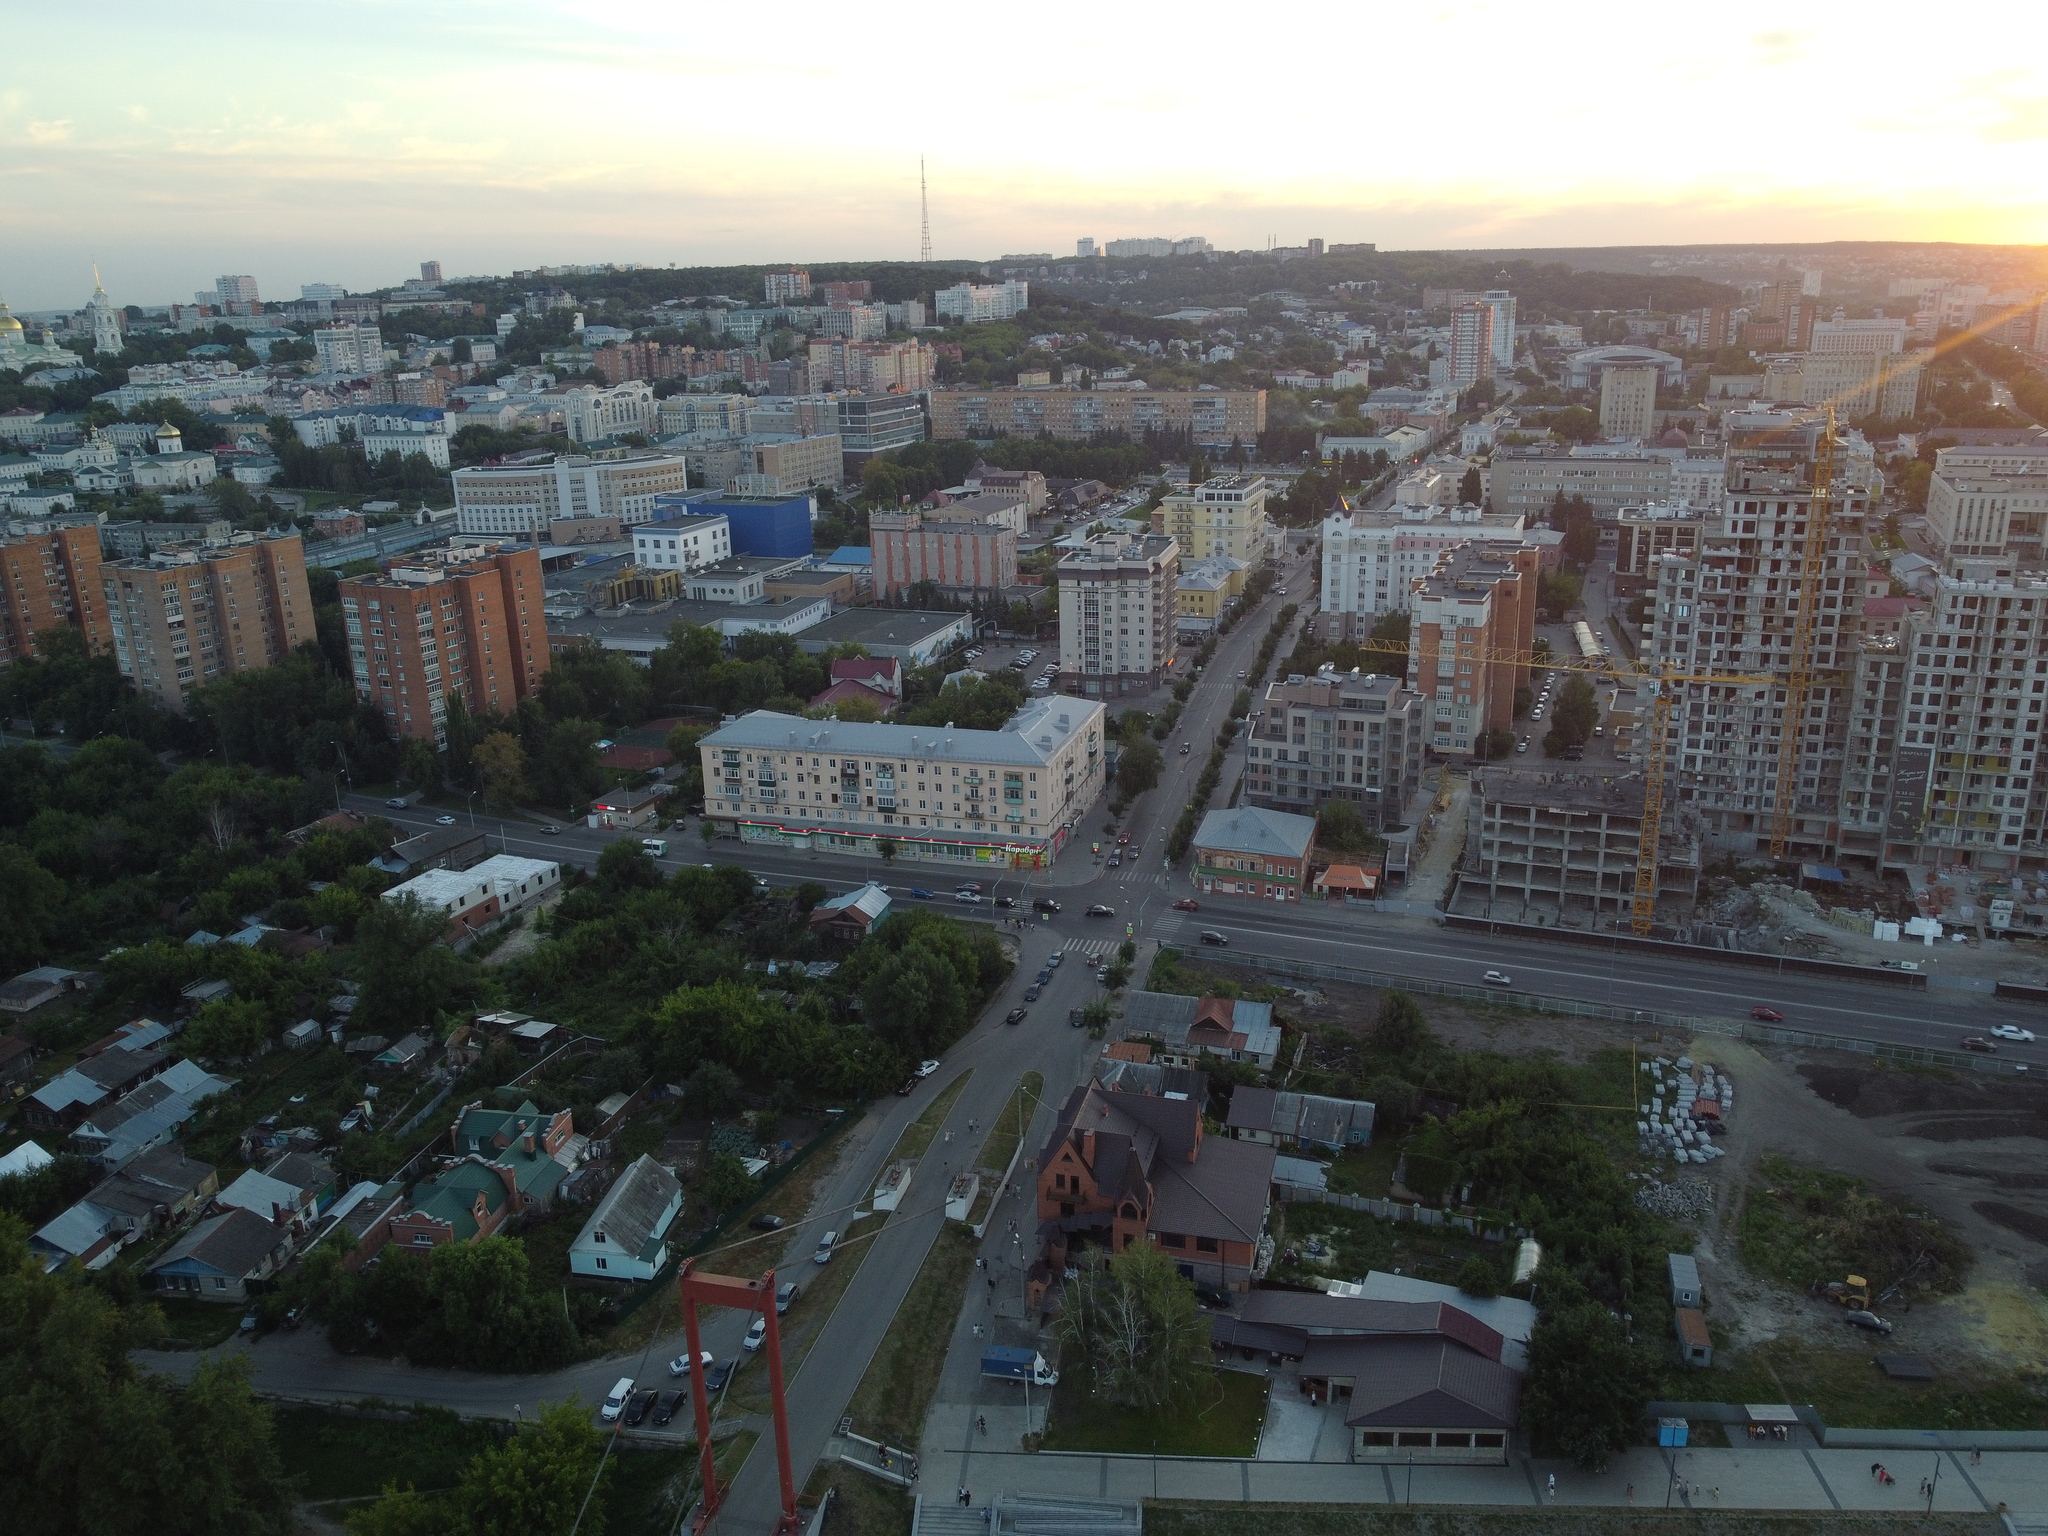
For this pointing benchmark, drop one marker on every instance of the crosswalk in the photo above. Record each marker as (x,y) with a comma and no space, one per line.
(1094,949)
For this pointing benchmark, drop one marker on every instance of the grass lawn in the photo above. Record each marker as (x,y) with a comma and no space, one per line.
(890,1403)
(1847,1389)
(1224,1421)
(917,1136)
(1174,1518)
(1367,1171)
(338,1456)
(1012,1123)
(197,1324)
(1359,1242)
(866,1506)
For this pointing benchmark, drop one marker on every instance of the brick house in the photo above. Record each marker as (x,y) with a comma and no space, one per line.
(1253,852)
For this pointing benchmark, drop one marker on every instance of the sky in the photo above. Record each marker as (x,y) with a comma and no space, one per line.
(348,140)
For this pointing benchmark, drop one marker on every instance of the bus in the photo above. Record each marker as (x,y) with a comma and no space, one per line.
(656,846)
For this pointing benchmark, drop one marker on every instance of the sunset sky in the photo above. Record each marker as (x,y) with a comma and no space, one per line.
(346,141)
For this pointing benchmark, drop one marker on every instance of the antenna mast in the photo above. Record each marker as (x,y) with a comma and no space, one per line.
(924,198)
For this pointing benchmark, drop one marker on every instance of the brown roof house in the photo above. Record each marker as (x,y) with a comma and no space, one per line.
(1131,1167)
(1183,1029)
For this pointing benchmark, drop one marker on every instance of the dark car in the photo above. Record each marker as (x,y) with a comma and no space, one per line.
(665,1406)
(1768,1015)
(1099,910)
(1869,1321)
(1031,993)
(719,1374)
(767,1222)
(1979,1043)
(1046,905)
(919,893)
(1185,749)
(1006,901)
(1044,975)
(1211,936)
(636,1410)
(1074,1018)
(909,1087)
(786,1295)
(1016,1015)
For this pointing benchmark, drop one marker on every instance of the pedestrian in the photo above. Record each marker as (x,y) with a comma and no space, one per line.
(1553,1485)
(966,1497)
(1976,1458)
(1875,1468)
(1631,1493)
(981,1422)
(1717,1493)
(960,1494)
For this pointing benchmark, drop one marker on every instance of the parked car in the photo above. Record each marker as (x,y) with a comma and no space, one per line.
(1979,1043)
(767,1222)
(2013,1032)
(826,1245)
(680,1366)
(1187,904)
(550,830)
(786,1295)
(637,1409)
(615,1402)
(1055,960)
(1211,936)
(1099,910)
(666,1404)
(719,1374)
(1768,1015)
(1044,975)
(909,1086)
(1030,995)
(1074,1018)
(1870,1322)
(444,821)
(757,1335)
(1016,1015)
(1498,978)
(928,1066)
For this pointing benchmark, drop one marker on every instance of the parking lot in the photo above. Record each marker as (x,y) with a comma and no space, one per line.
(1602,746)
(1035,661)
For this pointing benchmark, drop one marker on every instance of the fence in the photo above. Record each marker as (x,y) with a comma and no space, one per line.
(1651,1018)
(1623,943)
(1394,1210)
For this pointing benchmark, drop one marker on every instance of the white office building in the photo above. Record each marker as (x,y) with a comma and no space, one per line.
(520,500)
(1372,560)
(976,303)
(683,543)
(590,414)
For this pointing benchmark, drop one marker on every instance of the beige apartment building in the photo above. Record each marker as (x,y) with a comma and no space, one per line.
(784,466)
(959,555)
(1473,623)
(1354,736)
(189,614)
(1628,402)
(521,500)
(1008,798)
(1213,417)
(1118,598)
(2004,516)
(1224,515)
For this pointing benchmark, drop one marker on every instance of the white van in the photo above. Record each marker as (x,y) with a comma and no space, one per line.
(656,846)
(615,1404)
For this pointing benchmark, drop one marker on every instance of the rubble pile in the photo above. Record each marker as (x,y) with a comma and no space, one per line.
(1686,1200)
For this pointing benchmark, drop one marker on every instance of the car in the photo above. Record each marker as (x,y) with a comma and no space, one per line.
(1185,749)
(1979,1043)
(444,821)
(1123,838)
(397,802)
(1870,1322)
(1005,901)
(969,885)
(757,1335)
(826,1245)
(1187,904)
(1041,682)
(919,893)
(1016,1015)
(251,1318)
(2013,1032)
(1536,713)
(615,1403)
(1030,995)
(1046,905)
(1599,730)
(719,1374)
(1115,861)
(786,1295)
(1044,975)
(1768,1015)
(1498,978)
(1074,1018)
(1211,936)
(680,1366)
(666,1404)
(1099,910)
(972,898)
(1242,676)
(1102,976)
(1522,745)
(1055,960)
(909,1086)
(550,830)
(767,1221)
(928,1066)
(638,1407)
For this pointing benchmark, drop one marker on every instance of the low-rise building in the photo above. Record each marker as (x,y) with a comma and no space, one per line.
(1010,796)
(66,1099)
(150,1115)
(626,1237)
(1349,736)
(1205,590)
(953,555)
(683,543)
(1253,852)
(854,916)
(221,1258)
(1277,1117)
(1182,1030)
(624,809)
(1212,418)
(1528,481)
(916,637)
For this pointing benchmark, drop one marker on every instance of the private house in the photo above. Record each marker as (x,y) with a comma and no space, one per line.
(626,1237)
(69,1097)
(1278,1118)
(876,680)
(1424,1379)
(136,1035)
(1184,1029)
(436,848)
(622,809)
(1129,1167)
(224,1258)
(1128,1067)
(45,984)
(1253,852)
(17,1064)
(851,917)
(403,1054)
(156,1188)
(151,1115)
(290,1193)
(526,1131)
(459,1205)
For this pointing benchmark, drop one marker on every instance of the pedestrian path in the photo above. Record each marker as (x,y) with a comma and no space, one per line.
(1094,948)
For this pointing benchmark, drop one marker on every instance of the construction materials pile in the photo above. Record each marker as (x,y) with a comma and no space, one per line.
(1684,1200)
(1688,1105)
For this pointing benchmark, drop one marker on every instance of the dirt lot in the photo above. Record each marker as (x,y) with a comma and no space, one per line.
(1971,1151)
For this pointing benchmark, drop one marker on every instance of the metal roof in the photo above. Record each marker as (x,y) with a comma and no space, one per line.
(1260,833)
(1030,739)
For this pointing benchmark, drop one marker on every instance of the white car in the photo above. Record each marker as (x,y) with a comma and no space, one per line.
(927,1068)
(1499,978)
(2013,1032)
(1041,683)
(680,1366)
(756,1334)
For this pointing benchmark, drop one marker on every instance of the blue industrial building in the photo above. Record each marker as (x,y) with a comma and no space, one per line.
(779,526)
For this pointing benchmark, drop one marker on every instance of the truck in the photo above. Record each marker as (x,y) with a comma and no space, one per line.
(1013,1364)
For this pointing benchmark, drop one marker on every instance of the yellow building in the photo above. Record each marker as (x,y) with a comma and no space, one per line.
(1207,588)
(1225,515)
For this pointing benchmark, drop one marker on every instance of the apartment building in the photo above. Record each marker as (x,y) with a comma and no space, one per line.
(1642,534)
(1999,516)
(1211,418)
(188,614)
(683,543)
(465,623)
(646,360)
(883,366)
(1628,402)
(50,580)
(782,466)
(977,303)
(591,414)
(857,322)
(1730,609)
(1538,845)
(1224,515)
(959,555)
(1856,383)
(1372,559)
(786,287)
(877,423)
(1473,622)
(1471,350)
(520,500)
(1009,797)
(1118,597)
(1502,326)
(1347,736)
(1527,481)
(1204,591)
(349,349)
(705,413)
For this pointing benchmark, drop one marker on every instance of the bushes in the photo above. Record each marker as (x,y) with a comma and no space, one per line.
(472,1305)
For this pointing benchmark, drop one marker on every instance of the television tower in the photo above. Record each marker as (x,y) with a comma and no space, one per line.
(924,198)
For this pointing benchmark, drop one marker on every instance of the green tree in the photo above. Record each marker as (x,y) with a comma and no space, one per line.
(484,1313)
(1387,645)
(539,1479)
(1399,1029)
(1479,1278)
(1492,746)
(401,1512)
(1587,1386)
(501,766)
(407,974)
(1135,1322)
(228,1030)
(626,866)
(1574,715)
(1470,491)
(1138,767)
(422,764)
(32,915)
(727,1184)
(1340,829)
(562,760)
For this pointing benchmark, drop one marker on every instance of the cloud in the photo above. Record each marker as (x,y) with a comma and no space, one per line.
(57,132)
(2022,120)
(1774,49)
